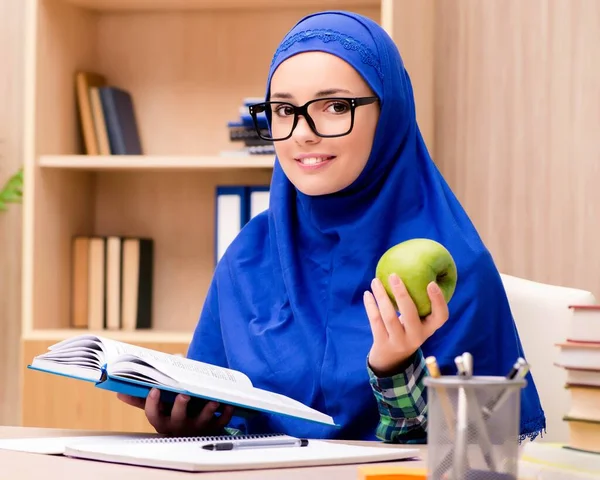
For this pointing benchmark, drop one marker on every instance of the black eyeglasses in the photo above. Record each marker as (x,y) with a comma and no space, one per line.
(327,117)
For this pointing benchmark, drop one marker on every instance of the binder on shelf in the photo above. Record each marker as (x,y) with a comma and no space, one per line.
(231,207)
(258,199)
(236,206)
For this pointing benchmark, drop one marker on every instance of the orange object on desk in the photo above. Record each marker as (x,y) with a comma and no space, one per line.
(391,473)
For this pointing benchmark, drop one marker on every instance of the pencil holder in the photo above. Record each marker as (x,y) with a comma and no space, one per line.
(473,428)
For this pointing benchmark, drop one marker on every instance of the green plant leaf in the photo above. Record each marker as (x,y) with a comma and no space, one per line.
(12,192)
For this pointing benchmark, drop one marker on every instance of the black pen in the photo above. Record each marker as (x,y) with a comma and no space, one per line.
(515,368)
(247,444)
(519,370)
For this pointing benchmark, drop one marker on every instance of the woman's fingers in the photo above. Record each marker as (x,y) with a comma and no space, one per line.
(152,409)
(377,326)
(178,417)
(388,312)
(439,310)
(203,419)
(406,306)
(222,421)
(177,421)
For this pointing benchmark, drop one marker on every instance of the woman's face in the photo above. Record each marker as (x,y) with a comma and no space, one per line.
(317,165)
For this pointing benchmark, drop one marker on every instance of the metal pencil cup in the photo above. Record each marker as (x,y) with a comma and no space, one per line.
(473,427)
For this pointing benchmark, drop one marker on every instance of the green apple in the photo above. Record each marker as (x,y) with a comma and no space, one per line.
(418,262)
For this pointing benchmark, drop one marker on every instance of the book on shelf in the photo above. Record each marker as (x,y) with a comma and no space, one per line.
(236,205)
(585,324)
(119,121)
(582,376)
(133,370)
(584,434)
(84,83)
(579,355)
(107,116)
(585,402)
(112,282)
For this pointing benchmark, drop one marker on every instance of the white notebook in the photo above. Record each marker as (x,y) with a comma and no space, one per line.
(187,454)
(56,445)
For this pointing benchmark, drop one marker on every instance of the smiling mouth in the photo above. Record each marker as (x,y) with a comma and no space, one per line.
(314,160)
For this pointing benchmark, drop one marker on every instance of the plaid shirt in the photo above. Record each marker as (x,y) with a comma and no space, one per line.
(402,403)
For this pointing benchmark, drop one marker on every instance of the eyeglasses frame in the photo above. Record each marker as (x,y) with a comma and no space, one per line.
(354,102)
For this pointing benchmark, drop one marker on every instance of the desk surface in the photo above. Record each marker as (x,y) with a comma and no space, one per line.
(25,466)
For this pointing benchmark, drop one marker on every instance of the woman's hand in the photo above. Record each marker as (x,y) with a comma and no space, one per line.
(396,339)
(177,423)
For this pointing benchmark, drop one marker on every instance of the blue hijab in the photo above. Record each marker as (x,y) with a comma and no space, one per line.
(285,305)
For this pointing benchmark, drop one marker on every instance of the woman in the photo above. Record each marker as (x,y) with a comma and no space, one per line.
(290,303)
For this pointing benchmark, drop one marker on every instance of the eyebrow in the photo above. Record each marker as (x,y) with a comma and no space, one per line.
(321,93)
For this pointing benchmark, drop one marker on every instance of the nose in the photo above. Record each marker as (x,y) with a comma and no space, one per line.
(303,133)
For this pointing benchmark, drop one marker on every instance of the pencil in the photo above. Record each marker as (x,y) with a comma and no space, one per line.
(433,367)
(434,372)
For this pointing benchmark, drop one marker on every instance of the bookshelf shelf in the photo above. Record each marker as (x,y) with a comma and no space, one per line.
(136,336)
(172,5)
(155,162)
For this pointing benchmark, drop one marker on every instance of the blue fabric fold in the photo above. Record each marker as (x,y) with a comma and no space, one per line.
(285,304)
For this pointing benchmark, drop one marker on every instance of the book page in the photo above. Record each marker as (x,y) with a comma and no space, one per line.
(83,372)
(74,355)
(75,346)
(262,400)
(141,371)
(179,368)
(81,357)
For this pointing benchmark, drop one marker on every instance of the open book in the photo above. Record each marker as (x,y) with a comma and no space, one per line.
(129,369)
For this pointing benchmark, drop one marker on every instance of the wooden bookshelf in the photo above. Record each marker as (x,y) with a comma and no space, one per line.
(188,65)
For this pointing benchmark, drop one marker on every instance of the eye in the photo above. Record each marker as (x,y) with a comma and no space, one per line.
(284,110)
(338,107)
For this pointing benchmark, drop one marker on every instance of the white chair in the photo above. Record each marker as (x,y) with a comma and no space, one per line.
(542,316)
